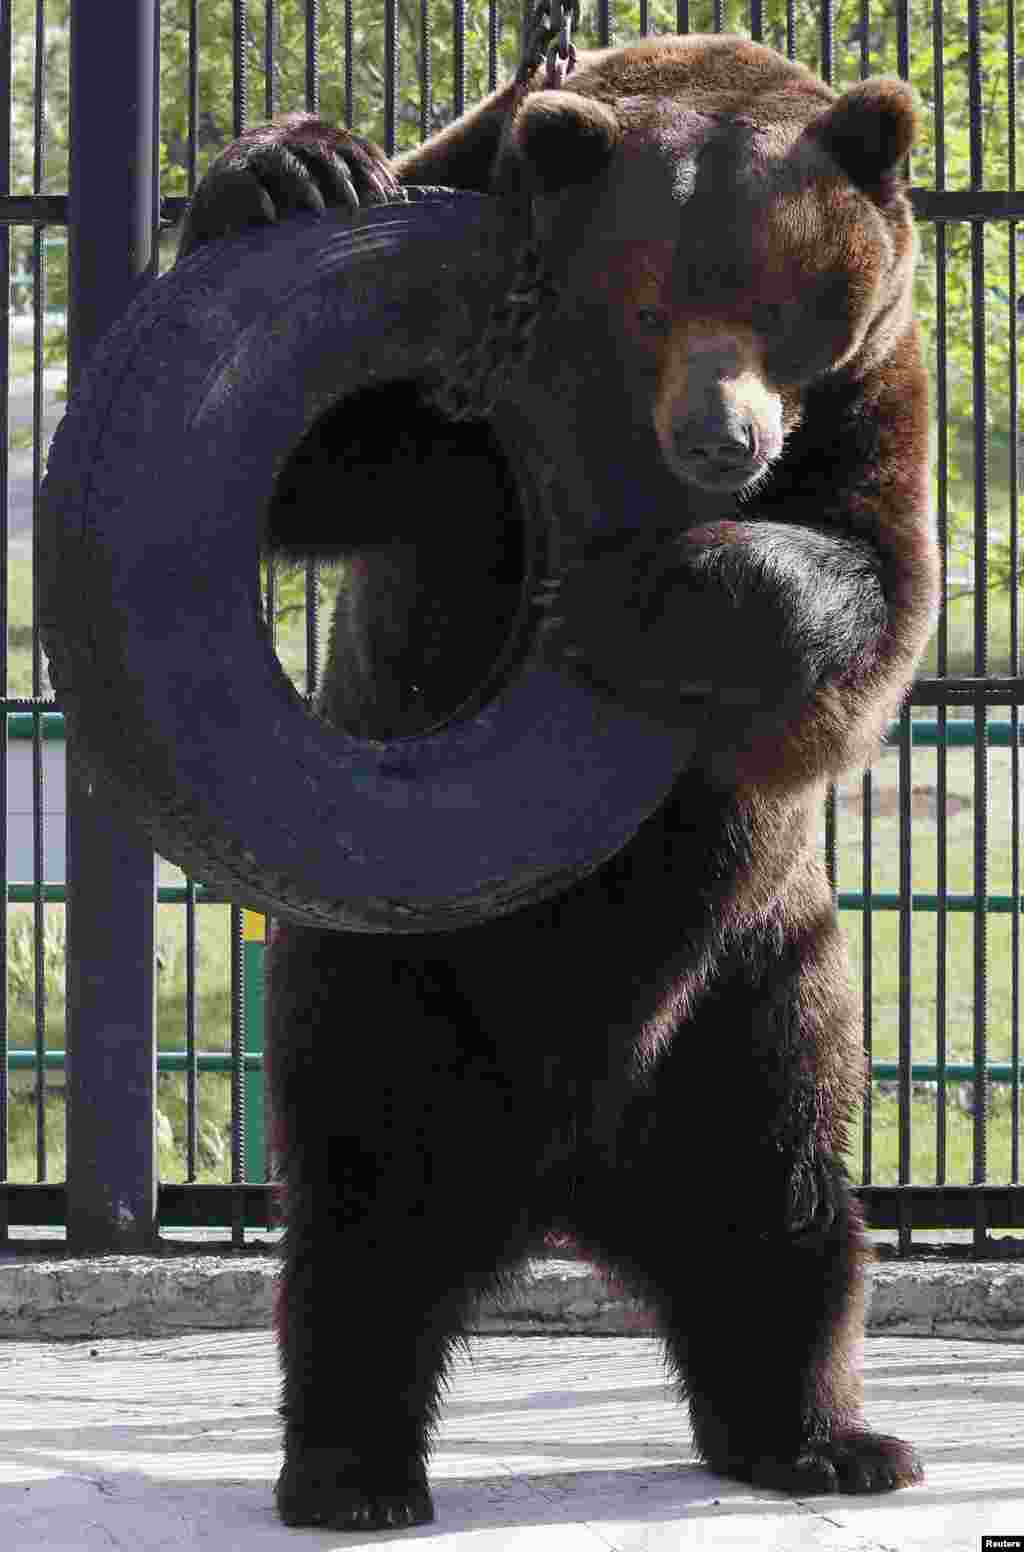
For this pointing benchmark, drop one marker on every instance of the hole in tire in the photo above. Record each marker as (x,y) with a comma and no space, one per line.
(422,525)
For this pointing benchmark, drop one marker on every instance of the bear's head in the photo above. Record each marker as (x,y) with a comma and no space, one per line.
(727,229)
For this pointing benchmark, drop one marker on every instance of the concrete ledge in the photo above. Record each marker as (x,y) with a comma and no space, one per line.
(108,1296)
(134,1295)
(980,1299)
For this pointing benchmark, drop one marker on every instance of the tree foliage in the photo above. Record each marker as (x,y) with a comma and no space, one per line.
(347,84)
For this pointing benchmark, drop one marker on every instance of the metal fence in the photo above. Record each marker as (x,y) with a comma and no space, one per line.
(96,163)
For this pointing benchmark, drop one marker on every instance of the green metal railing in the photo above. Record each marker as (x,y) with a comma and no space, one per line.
(51,726)
(958,733)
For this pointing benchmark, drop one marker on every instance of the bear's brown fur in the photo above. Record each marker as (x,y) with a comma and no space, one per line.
(732,345)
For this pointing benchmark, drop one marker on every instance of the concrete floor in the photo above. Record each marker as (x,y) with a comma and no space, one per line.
(567,1443)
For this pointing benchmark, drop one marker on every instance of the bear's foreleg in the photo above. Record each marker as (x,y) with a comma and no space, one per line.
(771,640)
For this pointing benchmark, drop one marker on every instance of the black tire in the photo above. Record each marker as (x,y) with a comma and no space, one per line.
(152,510)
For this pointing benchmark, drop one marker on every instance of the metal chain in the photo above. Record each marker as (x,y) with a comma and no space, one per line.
(483,371)
(548,36)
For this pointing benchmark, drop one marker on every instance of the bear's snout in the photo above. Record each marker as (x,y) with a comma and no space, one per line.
(717,448)
(718,422)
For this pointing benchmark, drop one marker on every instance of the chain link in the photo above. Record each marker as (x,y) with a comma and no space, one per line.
(548,36)
(561,56)
(483,371)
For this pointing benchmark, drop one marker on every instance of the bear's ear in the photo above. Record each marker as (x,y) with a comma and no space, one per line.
(869,131)
(560,138)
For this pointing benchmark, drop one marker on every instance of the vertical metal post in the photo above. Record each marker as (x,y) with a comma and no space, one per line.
(256,1086)
(111,1087)
(982,1094)
(6,72)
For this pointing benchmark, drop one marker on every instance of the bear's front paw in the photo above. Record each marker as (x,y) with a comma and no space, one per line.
(334,1489)
(297,164)
(853,1462)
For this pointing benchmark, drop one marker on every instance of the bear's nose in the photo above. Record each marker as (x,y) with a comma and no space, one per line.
(718,450)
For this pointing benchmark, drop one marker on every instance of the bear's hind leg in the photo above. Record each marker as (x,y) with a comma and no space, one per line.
(769,1350)
(749,1244)
(393,1132)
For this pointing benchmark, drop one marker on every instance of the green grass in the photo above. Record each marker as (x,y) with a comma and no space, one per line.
(928,973)
(956,974)
(923,1145)
(213,1034)
(22,359)
(19,626)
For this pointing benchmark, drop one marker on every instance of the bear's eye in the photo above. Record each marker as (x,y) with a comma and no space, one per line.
(653,320)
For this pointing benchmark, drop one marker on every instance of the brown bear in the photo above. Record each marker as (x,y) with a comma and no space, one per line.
(729,337)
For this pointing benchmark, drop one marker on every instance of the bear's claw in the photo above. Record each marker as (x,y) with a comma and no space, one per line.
(858,1462)
(326,1487)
